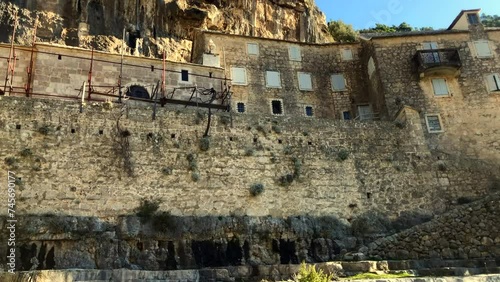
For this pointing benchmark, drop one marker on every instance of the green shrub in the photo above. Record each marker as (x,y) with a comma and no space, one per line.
(147,208)
(11,161)
(205,143)
(163,221)
(249,151)
(286,179)
(44,129)
(297,167)
(193,164)
(166,171)
(195,176)
(26,152)
(225,120)
(256,189)
(199,117)
(276,129)
(287,150)
(400,124)
(343,154)
(305,133)
(310,274)
(260,128)
(441,166)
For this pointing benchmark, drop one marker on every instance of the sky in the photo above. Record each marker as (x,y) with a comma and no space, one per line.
(418,13)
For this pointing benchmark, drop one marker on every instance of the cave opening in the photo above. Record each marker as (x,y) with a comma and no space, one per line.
(137,91)
(50,262)
(132,40)
(287,252)
(234,252)
(27,253)
(208,254)
(95,18)
(171,262)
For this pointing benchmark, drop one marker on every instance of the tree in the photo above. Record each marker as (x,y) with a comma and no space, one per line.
(490,21)
(403,27)
(342,32)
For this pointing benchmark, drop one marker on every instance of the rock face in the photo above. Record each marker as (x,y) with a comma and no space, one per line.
(154,26)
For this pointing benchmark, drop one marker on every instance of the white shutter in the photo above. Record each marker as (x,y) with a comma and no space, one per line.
(493,82)
(440,87)
(305,82)
(239,76)
(273,79)
(347,55)
(433,123)
(253,49)
(294,53)
(371,67)
(338,82)
(482,49)
(365,112)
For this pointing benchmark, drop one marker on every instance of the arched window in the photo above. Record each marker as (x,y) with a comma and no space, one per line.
(137,91)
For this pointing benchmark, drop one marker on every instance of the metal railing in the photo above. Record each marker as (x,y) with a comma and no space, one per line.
(427,59)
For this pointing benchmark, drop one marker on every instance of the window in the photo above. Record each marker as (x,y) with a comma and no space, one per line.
(338,82)
(430,45)
(253,49)
(273,79)
(493,82)
(440,87)
(309,111)
(277,107)
(482,49)
(305,82)
(473,18)
(184,75)
(431,57)
(433,122)
(346,115)
(346,55)
(294,53)
(240,107)
(365,112)
(239,76)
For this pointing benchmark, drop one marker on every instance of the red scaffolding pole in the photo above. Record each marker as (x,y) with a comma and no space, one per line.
(90,73)
(30,67)
(11,61)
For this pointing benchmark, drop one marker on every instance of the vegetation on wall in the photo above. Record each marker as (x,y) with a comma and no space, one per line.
(490,20)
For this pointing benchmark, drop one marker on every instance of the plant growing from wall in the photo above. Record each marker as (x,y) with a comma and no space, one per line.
(45,129)
(193,167)
(26,152)
(205,143)
(343,154)
(310,274)
(199,117)
(249,151)
(163,221)
(256,189)
(122,146)
(297,167)
(276,129)
(147,208)
(167,171)
(11,161)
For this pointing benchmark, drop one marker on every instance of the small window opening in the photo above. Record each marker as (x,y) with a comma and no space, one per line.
(473,19)
(59,57)
(368,195)
(280,141)
(255,140)
(73,130)
(309,143)
(230,138)
(18,126)
(346,115)
(240,107)
(152,68)
(309,111)
(184,75)
(210,74)
(276,107)
(101,132)
(172,136)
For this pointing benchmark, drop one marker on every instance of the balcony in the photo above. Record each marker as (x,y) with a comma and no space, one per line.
(438,62)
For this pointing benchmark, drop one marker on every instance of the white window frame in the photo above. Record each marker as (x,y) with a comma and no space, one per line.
(189,81)
(233,81)
(294,56)
(268,80)
(485,43)
(350,54)
(312,109)
(448,92)
(249,49)
(244,106)
(305,74)
(493,79)
(440,123)
(282,107)
(333,84)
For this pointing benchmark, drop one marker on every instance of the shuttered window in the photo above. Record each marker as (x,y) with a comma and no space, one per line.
(305,81)
(433,123)
(493,82)
(239,76)
(294,53)
(338,82)
(482,49)
(273,79)
(440,87)
(346,55)
(253,49)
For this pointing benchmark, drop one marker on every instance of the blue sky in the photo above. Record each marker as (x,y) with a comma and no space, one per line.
(418,13)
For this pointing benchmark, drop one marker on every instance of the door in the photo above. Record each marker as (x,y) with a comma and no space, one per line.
(365,112)
(431,57)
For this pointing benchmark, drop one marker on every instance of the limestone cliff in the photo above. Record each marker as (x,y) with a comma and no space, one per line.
(156,25)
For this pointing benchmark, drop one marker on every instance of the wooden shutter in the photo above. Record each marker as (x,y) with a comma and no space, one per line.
(482,48)
(347,54)
(305,82)
(493,82)
(338,82)
(294,53)
(273,79)
(239,75)
(430,45)
(253,49)
(440,87)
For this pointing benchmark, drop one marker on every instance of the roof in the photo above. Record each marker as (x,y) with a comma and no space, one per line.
(460,15)
(369,36)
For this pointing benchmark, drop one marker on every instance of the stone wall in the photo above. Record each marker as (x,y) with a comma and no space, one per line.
(81,164)
(61,71)
(469,115)
(467,232)
(319,60)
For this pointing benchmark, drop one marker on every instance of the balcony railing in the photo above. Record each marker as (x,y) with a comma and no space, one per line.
(439,59)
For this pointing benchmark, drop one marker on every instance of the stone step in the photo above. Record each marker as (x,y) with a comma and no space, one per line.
(457,271)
